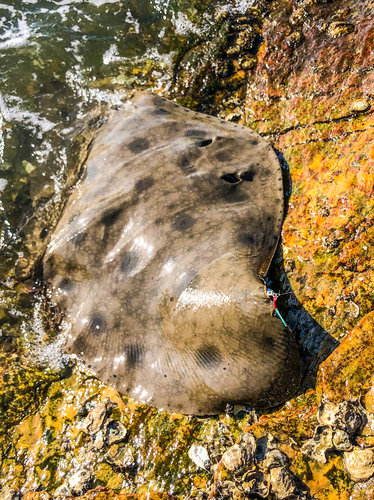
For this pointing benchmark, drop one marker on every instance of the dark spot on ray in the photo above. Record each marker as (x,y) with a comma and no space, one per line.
(223,156)
(247,239)
(224,139)
(161,112)
(254,142)
(195,133)
(111,216)
(268,342)
(204,144)
(185,161)
(138,145)
(128,262)
(233,194)
(208,357)
(183,222)
(144,184)
(133,354)
(66,284)
(267,171)
(79,239)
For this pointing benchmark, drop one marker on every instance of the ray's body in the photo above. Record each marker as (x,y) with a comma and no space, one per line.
(157,258)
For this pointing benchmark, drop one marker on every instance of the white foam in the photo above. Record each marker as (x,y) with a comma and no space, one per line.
(111,55)
(15,112)
(15,37)
(3,184)
(240,7)
(184,26)
(52,354)
(131,20)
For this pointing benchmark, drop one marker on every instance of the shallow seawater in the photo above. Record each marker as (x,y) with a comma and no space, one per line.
(63,64)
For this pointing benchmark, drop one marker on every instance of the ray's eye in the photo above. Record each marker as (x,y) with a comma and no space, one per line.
(230,179)
(236,178)
(66,284)
(204,143)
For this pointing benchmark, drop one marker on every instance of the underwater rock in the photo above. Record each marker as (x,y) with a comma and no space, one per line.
(241,455)
(121,457)
(339,423)
(256,483)
(248,62)
(79,482)
(96,417)
(157,259)
(359,463)
(63,491)
(298,16)
(321,442)
(10,494)
(282,483)
(347,372)
(294,39)
(199,455)
(275,458)
(341,441)
(349,416)
(360,106)
(115,432)
(340,28)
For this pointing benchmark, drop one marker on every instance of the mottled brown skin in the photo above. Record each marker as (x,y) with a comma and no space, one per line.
(157,258)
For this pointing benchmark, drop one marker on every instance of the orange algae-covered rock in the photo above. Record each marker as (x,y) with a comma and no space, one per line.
(315,100)
(349,370)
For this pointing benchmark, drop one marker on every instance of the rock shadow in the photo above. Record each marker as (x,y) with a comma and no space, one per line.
(315,344)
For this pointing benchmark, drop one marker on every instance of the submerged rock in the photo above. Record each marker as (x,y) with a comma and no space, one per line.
(282,483)
(121,457)
(359,463)
(241,455)
(97,417)
(199,455)
(79,482)
(317,447)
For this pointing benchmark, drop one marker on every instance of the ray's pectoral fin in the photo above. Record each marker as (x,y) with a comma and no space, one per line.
(224,338)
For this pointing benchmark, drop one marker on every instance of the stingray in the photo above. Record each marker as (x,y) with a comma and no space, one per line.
(158,258)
